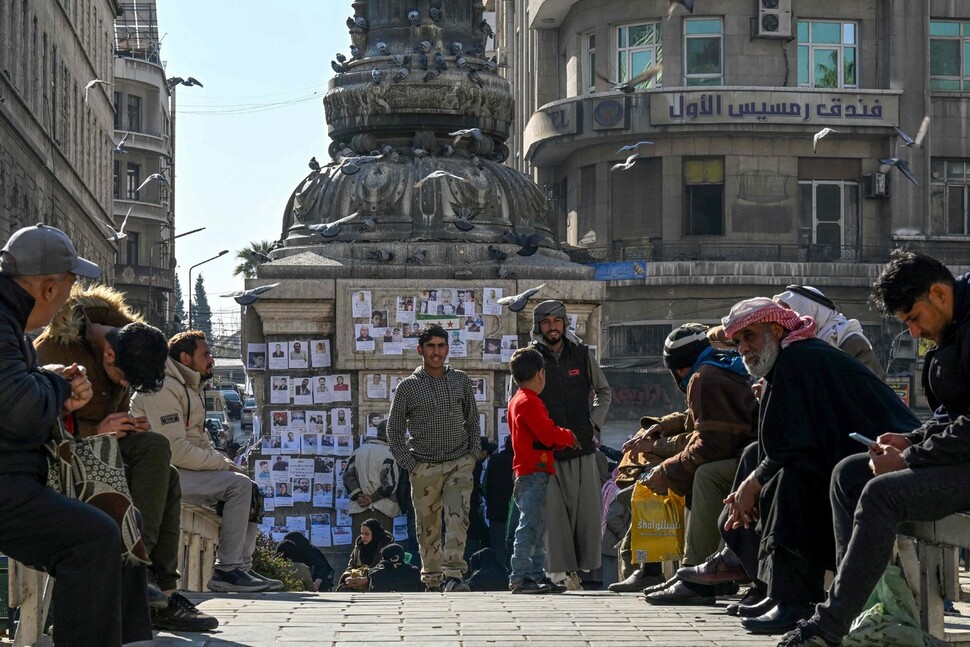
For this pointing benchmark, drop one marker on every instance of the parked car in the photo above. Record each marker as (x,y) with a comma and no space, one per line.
(248,411)
(220,431)
(234,404)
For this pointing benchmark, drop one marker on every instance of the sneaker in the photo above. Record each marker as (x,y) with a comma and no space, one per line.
(235,581)
(573,581)
(182,615)
(527,586)
(156,599)
(274,585)
(805,634)
(453,585)
(550,586)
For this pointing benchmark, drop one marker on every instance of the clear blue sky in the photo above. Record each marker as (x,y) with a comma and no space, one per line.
(243,141)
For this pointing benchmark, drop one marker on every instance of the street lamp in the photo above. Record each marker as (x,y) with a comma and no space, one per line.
(151,265)
(222,253)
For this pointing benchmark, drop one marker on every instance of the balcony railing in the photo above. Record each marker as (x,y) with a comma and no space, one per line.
(161,279)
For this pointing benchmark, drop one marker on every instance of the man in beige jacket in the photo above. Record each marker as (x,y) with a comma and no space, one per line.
(207,476)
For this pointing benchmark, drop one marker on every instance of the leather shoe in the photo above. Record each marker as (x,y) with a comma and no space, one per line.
(637,581)
(661,586)
(758,609)
(715,570)
(782,618)
(751,597)
(679,594)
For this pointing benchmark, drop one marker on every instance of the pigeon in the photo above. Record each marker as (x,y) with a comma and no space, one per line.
(687,4)
(439,61)
(634,147)
(505,273)
(314,164)
(91,84)
(475,160)
(474,133)
(908,141)
(626,87)
(588,239)
(496,254)
(415,18)
(259,257)
(424,46)
(248,297)
(400,74)
(423,61)
(518,302)
(489,65)
(401,59)
(331,229)
(117,235)
(463,219)
(528,245)
(436,14)
(376,75)
(381,255)
(351,165)
(154,176)
(434,175)
(368,225)
(487,28)
(173,81)
(120,148)
(337,67)
(819,135)
(340,58)
(358,22)
(903,167)
(419,152)
(431,74)
(383,48)
(190,81)
(355,53)
(627,165)
(456,48)
(417,258)
(447,150)
(476,78)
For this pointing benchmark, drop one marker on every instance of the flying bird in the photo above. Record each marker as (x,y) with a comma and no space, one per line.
(447,150)
(314,164)
(120,148)
(528,244)
(903,167)
(381,255)
(819,135)
(436,13)
(474,133)
(908,141)
(190,81)
(117,235)
(417,258)
(627,87)
(248,297)
(518,302)
(174,80)
(463,219)
(91,84)
(415,18)
(496,254)
(434,175)
(154,176)
(627,165)
(687,4)
(331,229)
(634,147)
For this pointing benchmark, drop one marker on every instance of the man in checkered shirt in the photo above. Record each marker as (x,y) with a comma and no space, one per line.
(433,433)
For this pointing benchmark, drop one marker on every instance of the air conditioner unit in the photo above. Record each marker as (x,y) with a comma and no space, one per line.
(774,19)
(876,185)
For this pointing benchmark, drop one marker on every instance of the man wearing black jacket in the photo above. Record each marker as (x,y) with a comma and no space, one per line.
(76,543)
(499,481)
(918,476)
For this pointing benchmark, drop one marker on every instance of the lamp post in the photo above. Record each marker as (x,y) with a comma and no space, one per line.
(151,265)
(222,253)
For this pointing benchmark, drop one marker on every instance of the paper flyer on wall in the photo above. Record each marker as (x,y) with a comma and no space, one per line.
(340,421)
(360,304)
(490,304)
(299,355)
(341,495)
(341,388)
(297,523)
(479,388)
(474,328)
(308,444)
(256,357)
(509,344)
(343,518)
(269,497)
(342,535)
(373,419)
(269,445)
(302,390)
(492,349)
(316,422)
(277,356)
(363,339)
(404,313)
(298,421)
(457,347)
(322,389)
(320,529)
(278,533)
(291,442)
(466,303)
(328,443)
(320,353)
(323,492)
(279,390)
(376,385)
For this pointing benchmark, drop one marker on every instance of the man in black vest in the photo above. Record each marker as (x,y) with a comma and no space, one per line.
(574,490)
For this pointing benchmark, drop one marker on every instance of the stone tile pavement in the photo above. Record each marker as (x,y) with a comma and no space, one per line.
(580,619)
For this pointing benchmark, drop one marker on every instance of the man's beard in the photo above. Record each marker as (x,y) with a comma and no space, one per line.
(551,342)
(766,358)
(206,376)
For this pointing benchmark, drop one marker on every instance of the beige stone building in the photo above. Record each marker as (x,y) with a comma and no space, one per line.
(733,198)
(55,125)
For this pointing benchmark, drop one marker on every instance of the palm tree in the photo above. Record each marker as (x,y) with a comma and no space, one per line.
(250,257)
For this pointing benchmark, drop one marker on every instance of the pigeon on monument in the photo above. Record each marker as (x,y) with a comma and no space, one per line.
(505,273)
(248,297)
(424,46)
(518,302)
(368,225)
(627,165)
(117,235)
(474,133)
(439,61)
(434,175)
(634,147)
(414,17)
(383,48)
(463,220)
(340,58)
(400,74)
(331,229)
(376,75)
(417,258)
(528,244)
(819,135)
(496,254)
(381,255)
(476,78)
(435,13)
(337,67)
(903,167)
(355,53)
(314,164)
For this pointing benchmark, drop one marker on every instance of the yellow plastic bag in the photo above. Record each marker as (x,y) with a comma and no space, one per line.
(657,526)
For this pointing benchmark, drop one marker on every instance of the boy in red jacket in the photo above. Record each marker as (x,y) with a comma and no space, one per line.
(534,437)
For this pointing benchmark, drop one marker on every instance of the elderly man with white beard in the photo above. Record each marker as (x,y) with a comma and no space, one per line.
(778,517)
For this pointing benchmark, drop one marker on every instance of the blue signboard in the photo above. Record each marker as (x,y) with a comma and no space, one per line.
(623,271)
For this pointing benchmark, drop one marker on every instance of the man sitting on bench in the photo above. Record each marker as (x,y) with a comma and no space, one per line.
(919,476)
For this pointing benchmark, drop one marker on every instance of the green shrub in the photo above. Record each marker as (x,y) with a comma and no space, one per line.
(267,562)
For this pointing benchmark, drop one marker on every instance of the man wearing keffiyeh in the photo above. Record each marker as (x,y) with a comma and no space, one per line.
(778,516)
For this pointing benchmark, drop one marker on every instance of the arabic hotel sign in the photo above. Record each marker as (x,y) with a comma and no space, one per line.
(785,107)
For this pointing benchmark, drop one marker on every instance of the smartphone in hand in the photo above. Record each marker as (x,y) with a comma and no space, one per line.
(862,439)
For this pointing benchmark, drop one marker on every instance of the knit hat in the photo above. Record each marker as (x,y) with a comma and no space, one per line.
(392,554)
(684,345)
(547,310)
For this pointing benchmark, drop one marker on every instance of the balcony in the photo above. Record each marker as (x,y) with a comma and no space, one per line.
(129,275)
(562,127)
(145,210)
(139,70)
(146,141)
(548,14)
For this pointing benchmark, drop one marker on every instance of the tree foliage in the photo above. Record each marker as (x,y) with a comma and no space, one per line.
(249,259)
(179,322)
(201,312)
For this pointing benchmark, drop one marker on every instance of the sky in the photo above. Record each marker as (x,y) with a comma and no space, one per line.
(244,139)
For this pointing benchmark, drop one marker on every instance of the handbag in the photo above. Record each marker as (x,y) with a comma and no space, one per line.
(91,470)
(657,525)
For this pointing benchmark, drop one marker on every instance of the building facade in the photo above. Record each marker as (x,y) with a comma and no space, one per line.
(733,196)
(55,124)
(144,122)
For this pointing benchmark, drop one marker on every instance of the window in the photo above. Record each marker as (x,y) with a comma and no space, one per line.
(949,55)
(589,74)
(134,113)
(638,340)
(702,51)
(704,197)
(827,54)
(117,97)
(132,248)
(637,48)
(831,209)
(949,185)
(116,190)
(133,181)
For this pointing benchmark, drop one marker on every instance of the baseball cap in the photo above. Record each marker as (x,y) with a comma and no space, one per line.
(38,250)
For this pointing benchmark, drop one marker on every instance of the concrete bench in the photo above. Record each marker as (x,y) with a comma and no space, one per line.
(29,590)
(198,545)
(931,567)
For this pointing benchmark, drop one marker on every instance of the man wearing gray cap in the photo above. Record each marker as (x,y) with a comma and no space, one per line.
(574,490)
(76,543)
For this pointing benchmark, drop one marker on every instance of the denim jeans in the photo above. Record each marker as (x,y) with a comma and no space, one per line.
(528,551)
(866,511)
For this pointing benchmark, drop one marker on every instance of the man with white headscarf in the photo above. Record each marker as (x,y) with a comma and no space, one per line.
(778,516)
(831,325)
